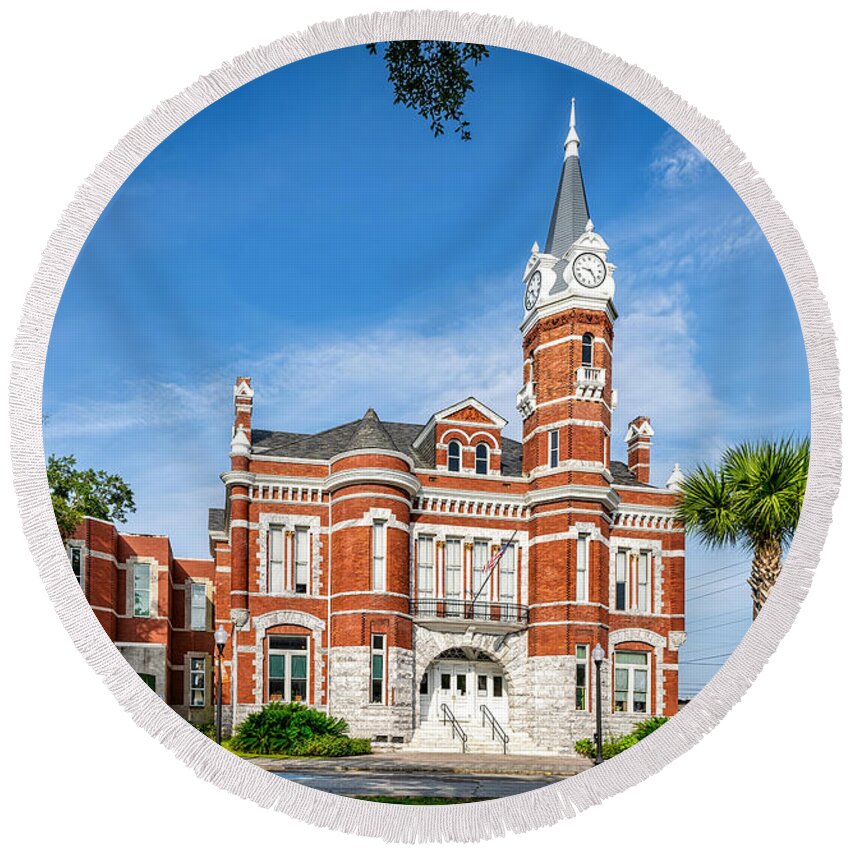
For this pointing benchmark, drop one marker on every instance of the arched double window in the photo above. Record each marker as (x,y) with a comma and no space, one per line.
(454,456)
(482,456)
(587,350)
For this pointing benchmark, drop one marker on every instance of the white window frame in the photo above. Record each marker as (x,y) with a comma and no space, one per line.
(621,569)
(630,669)
(276,559)
(449,457)
(453,568)
(425,586)
(144,590)
(301,566)
(592,343)
(554,448)
(379,555)
(78,549)
(644,595)
(287,655)
(583,661)
(202,670)
(482,446)
(378,652)
(507,575)
(194,587)
(480,557)
(582,567)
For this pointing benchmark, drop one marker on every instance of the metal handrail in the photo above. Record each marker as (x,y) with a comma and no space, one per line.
(495,726)
(456,727)
(463,609)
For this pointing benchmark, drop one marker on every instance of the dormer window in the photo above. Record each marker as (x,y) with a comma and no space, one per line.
(482,457)
(454,456)
(587,350)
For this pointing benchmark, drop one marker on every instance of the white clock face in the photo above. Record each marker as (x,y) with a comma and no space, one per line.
(532,290)
(589,270)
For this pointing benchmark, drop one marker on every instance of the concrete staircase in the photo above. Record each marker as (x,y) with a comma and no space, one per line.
(435,737)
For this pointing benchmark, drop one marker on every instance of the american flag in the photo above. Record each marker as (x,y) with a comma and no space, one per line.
(491,564)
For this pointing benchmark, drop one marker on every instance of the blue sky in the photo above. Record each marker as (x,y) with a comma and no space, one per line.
(307,232)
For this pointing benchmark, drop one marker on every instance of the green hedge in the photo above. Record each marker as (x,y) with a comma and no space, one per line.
(291,728)
(613,746)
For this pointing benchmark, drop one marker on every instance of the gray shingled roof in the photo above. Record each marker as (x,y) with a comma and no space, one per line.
(368,432)
(570,214)
(215,521)
(623,475)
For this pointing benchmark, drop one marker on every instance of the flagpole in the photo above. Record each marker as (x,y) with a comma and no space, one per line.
(493,570)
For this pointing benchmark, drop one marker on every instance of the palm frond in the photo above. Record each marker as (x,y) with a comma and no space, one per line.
(706,508)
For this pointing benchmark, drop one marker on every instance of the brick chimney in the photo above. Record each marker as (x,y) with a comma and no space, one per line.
(638,442)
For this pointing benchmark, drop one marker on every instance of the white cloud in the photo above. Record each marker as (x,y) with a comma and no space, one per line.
(677,162)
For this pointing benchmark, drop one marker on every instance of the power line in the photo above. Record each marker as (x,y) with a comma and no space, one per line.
(707,658)
(735,577)
(720,625)
(719,569)
(711,593)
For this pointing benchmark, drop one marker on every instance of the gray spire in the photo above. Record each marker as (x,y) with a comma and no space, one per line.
(570,215)
(370,434)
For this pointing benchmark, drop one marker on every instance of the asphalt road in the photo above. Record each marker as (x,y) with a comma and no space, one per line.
(355,783)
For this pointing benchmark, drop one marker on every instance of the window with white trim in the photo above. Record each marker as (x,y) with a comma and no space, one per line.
(480,549)
(197,682)
(379,555)
(198,606)
(582,563)
(288,668)
(482,459)
(621,580)
(377,690)
(454,456)
(141,590)
(75,556)
(302,560)
(631,682)
(453,579)
(582,677)
(507,575)
(554,448)
(643,582)
(276,576)
(425,583)
(587,350)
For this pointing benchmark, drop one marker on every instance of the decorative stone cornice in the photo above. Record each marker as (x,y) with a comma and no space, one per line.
(373,475)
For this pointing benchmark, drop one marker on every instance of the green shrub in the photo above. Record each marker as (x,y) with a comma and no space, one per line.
(613,746)
(207,729)
(281,727)
(332,746)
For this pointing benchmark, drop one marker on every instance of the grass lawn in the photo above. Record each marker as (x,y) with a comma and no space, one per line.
(421,801)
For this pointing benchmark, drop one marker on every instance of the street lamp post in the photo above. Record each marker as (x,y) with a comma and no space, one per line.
(220,637)
(598,656)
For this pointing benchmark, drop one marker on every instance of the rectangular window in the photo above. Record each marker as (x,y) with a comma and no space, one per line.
(621,580)
(198,606)
(479,561)
(75,555)
(482,686)
(445,681)
(197,682)
(378,668)
(643,582)
(302,560)
(379,556)
(426,566)
(460,684)
(454,576)
(149,679)
(141,590)
(554,449)
(631,682)
(288,669)
(497,686)
(582,558)
(276,570)
(507,575)
(423,685)
(582,678)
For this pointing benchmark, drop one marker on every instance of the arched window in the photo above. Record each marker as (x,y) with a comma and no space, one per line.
(587,350)
(481,459)
(454,456)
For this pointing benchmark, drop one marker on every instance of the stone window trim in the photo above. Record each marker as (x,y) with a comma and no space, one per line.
(657,643)
(288,523)
(80,546)
(187,606)
(635,546)
(187,679)
(155,569)
(262,623)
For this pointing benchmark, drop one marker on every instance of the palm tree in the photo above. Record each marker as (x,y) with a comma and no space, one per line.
(754,497)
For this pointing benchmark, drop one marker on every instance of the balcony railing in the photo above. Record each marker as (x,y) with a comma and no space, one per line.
(590,382)
(460,609)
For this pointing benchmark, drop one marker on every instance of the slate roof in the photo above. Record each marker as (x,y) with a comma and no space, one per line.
(570,214)
(367,433)
(215,521)
(623,475)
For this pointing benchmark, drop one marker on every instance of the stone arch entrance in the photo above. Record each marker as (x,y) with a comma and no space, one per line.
(464,679)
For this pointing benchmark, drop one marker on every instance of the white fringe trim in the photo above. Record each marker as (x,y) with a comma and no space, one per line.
(470,822)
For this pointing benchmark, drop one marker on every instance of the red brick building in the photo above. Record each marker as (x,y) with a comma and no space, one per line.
(157,609)
(352,562)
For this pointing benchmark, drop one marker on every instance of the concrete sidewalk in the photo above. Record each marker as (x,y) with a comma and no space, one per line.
(409,762)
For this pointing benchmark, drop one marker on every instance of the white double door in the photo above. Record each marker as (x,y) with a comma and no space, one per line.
(464,686)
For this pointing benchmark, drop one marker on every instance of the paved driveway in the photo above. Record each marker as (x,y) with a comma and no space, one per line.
(361,783)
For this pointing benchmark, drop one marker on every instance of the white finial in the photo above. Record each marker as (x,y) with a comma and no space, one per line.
(572,142)
(588,228)
(676,479)
(240,445)
(535,248)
